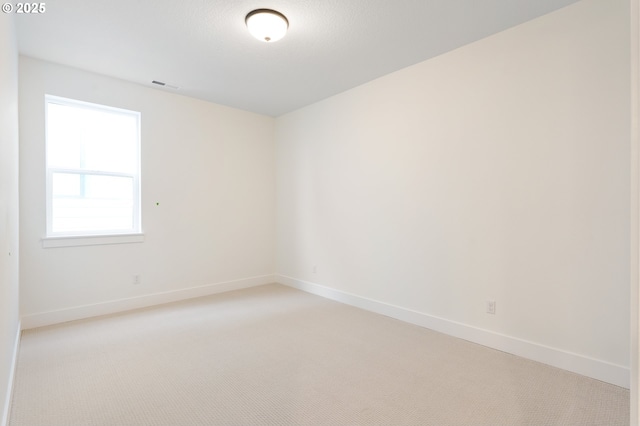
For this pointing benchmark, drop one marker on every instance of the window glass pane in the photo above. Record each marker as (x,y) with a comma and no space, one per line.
(104,203)
(108,187)
(64,146)
(110,141)
(66,185)
(91,139)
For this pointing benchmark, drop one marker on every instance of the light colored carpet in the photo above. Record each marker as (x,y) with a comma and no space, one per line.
(272,355)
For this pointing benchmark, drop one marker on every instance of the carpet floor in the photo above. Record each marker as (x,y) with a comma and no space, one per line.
(272,355)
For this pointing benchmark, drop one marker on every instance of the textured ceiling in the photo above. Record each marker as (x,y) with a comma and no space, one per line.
(203,46)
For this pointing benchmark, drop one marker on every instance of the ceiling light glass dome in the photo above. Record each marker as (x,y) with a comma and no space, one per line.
(267,25)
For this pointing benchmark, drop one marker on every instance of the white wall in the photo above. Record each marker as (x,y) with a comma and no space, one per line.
(499,170)
(635,211)
(9,314)
(209,167)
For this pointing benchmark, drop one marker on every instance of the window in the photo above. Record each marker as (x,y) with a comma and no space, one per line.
(93,169)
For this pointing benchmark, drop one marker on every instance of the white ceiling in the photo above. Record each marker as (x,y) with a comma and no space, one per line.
(203,45)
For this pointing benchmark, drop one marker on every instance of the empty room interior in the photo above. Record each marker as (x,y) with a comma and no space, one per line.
(418,212)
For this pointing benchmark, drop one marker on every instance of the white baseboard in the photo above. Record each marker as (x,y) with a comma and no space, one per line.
(596,369)
(12,373)
(120,305)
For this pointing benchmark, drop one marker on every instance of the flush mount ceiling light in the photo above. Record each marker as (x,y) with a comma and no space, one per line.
(267,25)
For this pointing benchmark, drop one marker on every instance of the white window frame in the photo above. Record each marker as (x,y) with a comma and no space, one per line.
(91,237)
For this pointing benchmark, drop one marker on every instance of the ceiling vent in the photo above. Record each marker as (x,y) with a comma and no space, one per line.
(167,85)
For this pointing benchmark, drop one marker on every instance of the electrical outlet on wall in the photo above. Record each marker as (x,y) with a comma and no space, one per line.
(315,269)
(491,307)
(136,279)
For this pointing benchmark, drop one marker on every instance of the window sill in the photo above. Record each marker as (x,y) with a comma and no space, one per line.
(91,240)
